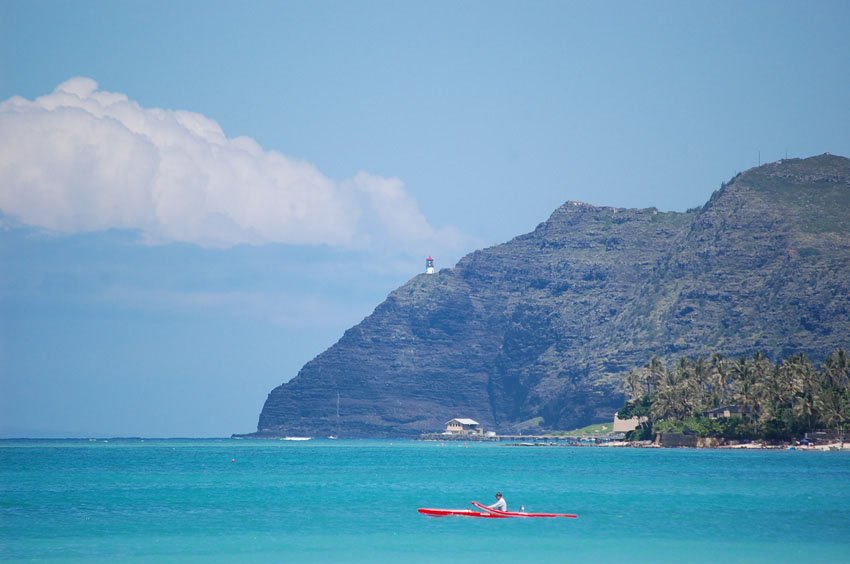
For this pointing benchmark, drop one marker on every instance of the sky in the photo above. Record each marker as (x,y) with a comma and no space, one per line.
(199,197)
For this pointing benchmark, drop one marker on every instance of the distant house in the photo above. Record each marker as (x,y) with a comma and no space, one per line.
(463,427)
(728,411)
(626,425)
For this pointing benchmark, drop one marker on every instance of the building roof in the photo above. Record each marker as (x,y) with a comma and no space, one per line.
(734,408)
(463,421)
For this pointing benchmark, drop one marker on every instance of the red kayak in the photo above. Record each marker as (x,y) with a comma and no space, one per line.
(457,513)
(489,513)
(522,513)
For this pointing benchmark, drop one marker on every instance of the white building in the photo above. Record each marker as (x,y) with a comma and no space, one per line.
(626,425)
(463,427)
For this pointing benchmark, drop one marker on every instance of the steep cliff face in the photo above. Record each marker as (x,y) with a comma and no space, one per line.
(546,325)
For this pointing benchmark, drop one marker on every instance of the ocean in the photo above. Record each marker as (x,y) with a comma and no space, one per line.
(355,501)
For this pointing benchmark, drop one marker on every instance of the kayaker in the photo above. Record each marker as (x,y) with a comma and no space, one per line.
(501,504)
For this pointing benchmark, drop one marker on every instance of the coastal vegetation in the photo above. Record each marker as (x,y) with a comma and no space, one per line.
(595,430)
(740,399)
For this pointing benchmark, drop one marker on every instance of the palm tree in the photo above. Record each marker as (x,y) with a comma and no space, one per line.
(673,398)
(835,410)
(745,394)
(653,372)
(701,387)
(797,378)
(634,385)
(718,380)
(832,396)
(664,403)
(836,369)
(779,390)
(761,374)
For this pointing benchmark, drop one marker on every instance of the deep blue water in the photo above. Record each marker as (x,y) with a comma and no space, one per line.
(355,501)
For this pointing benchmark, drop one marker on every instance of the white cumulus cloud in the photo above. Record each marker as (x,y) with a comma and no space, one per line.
(82,159)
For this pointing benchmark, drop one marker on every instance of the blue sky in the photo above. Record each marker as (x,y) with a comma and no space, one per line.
(199,197)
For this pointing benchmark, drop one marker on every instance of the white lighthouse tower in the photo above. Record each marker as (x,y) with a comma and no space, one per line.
(429,265)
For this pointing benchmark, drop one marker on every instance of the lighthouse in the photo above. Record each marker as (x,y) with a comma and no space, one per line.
(429,265)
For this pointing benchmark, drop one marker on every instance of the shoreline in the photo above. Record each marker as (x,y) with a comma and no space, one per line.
(540,441)
(742,446)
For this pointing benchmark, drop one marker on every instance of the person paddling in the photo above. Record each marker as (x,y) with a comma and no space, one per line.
(501,504)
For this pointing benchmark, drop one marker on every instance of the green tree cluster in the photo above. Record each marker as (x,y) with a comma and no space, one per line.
(775,401)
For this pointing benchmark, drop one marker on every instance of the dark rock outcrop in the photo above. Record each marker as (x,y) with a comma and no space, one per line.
(546,325)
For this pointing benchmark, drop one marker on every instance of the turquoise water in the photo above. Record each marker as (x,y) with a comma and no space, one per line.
(355,501)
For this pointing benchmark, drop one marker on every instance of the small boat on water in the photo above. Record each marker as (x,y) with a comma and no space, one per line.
(296,438)
(490,513)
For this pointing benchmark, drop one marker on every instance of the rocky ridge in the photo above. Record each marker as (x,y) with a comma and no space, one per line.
(542,329)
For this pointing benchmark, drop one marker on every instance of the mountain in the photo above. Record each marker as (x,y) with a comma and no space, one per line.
(540,331)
